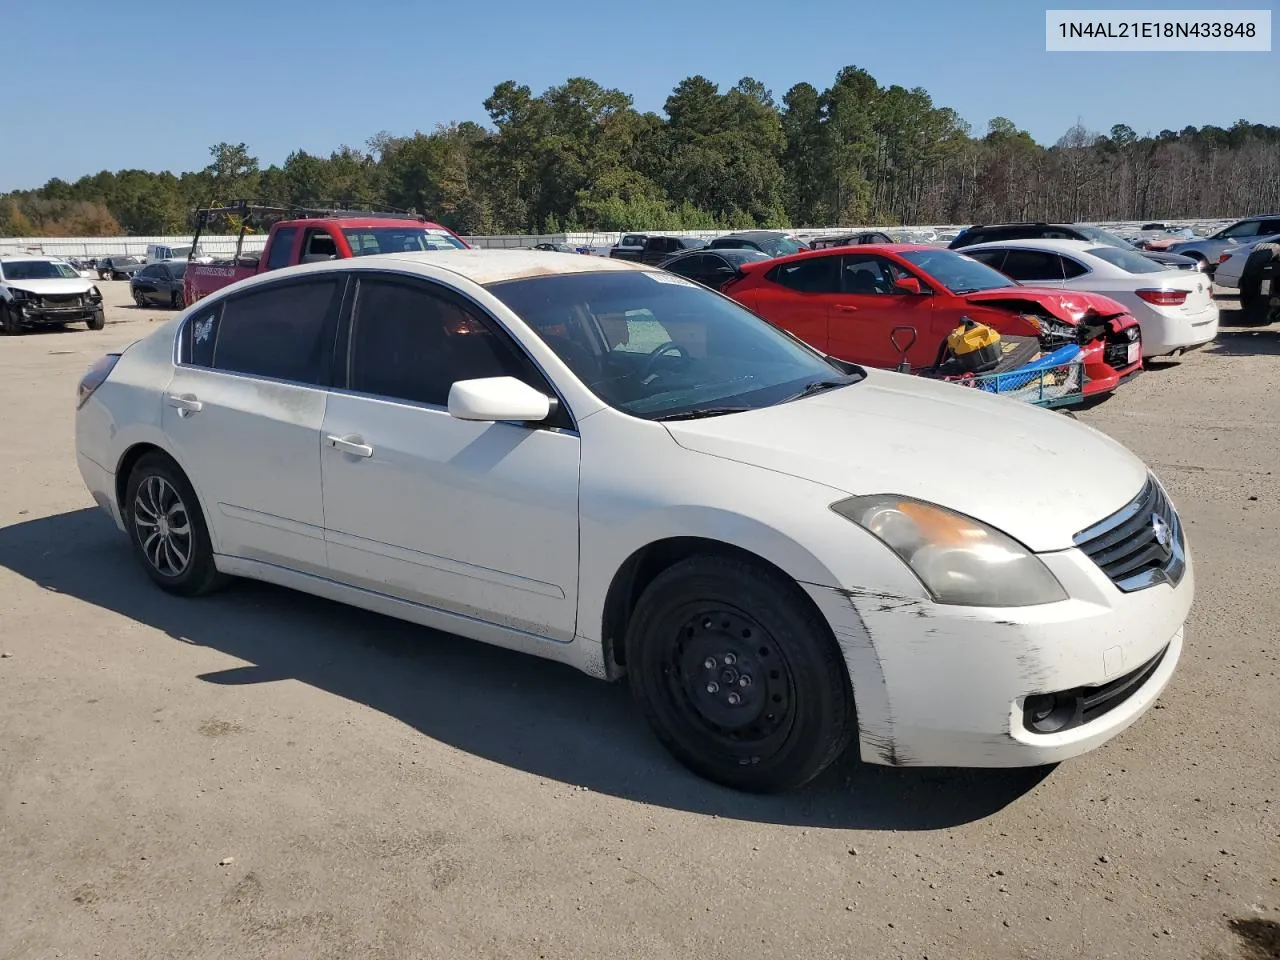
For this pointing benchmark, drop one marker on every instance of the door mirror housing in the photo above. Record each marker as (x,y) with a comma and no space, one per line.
(908,285)
(497,398)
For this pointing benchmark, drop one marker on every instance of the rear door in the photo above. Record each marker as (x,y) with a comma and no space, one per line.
(244,411)
(868,310)
(798,296)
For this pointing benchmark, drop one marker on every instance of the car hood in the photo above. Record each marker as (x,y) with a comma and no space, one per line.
(1071,307)
(51,287)
(1037,475)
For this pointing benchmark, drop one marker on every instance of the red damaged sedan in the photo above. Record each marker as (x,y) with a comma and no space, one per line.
(847,302)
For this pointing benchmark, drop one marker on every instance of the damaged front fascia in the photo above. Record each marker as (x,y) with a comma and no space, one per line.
(868,625)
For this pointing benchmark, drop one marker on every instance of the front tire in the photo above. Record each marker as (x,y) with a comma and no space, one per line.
(139,298)
(97,321)
(167,528)
(178,300)
(10,321)
(738,676)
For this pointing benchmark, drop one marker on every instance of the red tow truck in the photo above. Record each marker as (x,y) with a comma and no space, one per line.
(307,235)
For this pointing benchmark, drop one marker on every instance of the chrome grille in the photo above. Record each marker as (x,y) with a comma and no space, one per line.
(1141,544)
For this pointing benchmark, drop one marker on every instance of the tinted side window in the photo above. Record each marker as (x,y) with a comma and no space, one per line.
(816,275)
(1072,268)
(282,247)
(283,331)
(992,258)
(409,343)
(865,273)
(1030,265)
(198,338)
(692,266)
(1247,229)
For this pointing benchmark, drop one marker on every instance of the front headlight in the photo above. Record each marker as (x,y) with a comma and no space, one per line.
(958,559)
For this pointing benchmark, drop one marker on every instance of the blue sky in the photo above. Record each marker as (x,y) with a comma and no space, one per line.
(153,87)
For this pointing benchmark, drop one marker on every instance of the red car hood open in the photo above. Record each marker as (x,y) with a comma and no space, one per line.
(1069,306)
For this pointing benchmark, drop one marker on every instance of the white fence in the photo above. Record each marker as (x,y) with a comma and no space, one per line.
(592,241)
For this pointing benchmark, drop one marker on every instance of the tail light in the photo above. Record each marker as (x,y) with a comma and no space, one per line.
(1163,298)
(95,377)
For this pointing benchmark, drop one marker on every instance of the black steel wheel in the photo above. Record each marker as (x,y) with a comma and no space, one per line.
(738,675)
(167,529)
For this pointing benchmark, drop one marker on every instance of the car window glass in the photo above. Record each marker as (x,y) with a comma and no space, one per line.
(409,343)
(198,338)
(690,266)
(281,331)
(866,274)
(1128,260)
(1247,229)
(281,248)
(1031,265)
(812,275)
(1072,268)
(992,258)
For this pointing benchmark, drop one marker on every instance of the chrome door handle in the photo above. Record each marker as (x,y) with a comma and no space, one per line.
(351,444)
(186,404)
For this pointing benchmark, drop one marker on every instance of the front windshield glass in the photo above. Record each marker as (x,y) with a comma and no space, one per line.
(956,272)
(657,346)
(1128,261)
(366,241)
(780,246)
(38,270)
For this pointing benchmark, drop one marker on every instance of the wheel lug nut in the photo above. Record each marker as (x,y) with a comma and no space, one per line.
(744,681)
(734,699)
(713,687)
(709,663)
(730,659)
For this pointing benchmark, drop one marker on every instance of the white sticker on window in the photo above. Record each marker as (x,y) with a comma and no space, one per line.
(203,329)
(671,278)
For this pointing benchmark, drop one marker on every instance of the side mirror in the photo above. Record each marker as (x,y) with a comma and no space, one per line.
(497,398)
(908,285)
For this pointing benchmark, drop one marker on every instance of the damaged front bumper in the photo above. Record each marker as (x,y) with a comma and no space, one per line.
(938,685)
(37,314)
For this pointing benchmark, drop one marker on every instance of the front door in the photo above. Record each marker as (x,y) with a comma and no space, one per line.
(868,310)
(243,412)
(479,519)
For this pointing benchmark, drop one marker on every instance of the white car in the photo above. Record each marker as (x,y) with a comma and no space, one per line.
(608,465)
(1231,262)
(1174,308)
(46,292)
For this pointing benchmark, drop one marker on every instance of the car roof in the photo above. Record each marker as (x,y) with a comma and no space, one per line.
(1033,243)
(364,222)
(30,256)
(753,234)
(496,266)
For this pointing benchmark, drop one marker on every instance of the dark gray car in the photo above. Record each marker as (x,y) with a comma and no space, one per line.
(159,283)
(119,268)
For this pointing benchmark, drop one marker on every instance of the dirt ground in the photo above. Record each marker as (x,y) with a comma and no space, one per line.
(263,774)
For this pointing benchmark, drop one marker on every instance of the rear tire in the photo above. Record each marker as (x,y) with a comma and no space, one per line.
(167,528)
(739,678)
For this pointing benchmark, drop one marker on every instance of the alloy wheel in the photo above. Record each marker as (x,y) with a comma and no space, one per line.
(163,526)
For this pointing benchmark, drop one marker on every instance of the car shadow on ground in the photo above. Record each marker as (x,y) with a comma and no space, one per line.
(520,711)
(1247,343)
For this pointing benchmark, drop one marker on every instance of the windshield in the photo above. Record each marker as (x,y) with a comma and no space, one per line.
(657,346)
(366,241)
(956,272)
(38,270)
(1098,235)
(1128,260)
(780,246)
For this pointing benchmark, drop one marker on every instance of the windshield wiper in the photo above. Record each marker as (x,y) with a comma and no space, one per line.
(818,386)
(703,412)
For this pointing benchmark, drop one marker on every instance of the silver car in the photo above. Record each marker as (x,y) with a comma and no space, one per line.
(1209,249)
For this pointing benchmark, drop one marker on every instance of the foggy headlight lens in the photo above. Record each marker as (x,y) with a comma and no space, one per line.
(958,559)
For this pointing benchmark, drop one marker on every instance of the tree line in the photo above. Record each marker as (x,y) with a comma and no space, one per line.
(580,157)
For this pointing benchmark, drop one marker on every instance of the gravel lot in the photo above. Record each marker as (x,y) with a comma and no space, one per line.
(263,774)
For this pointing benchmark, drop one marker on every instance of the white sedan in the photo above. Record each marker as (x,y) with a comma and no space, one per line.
(607,465)
(1174,308)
